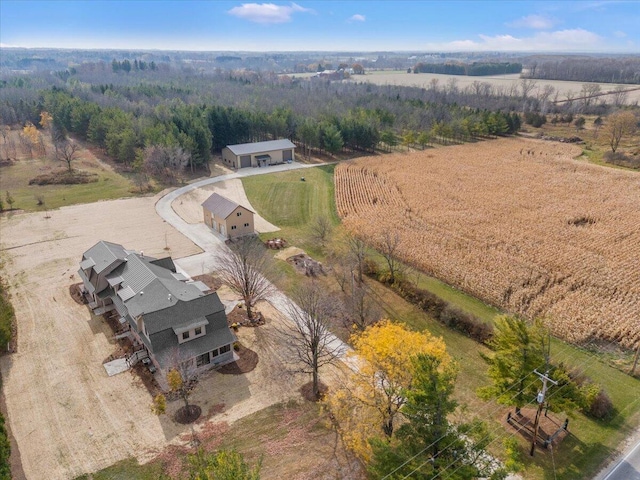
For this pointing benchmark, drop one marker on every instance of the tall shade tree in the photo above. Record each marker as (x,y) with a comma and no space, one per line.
(618,126)
(244,268)
(308,334)
(518,349)
(66,151)
(370,401)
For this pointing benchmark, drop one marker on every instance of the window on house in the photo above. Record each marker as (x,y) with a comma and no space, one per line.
(215,353)
(198,331)
(233,227)
(246,224)
(225,349)
(203,359)
(185,335)
(238,214)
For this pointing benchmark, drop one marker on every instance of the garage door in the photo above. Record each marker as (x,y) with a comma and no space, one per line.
(287,155)
(245,161)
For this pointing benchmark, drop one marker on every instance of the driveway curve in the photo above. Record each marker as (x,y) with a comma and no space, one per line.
(212,243)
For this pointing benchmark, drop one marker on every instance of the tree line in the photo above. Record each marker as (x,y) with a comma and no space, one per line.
(605,70)
(203,114)
(473,69)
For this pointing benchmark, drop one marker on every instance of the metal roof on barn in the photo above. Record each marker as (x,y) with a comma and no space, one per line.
(260,147)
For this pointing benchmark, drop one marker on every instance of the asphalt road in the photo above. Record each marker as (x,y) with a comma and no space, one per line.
(626,466)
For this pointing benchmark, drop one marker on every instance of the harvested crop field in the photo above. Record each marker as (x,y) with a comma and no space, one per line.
(518,223)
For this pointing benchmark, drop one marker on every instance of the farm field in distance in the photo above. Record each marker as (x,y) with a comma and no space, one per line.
(423,80)
(517,223)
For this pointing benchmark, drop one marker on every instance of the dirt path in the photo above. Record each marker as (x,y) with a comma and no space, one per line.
(188,206)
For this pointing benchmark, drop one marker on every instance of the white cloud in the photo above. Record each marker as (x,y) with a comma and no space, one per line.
(357,18)
(619,34)
(6,45)
(267,12)
(535,22)
(575,40)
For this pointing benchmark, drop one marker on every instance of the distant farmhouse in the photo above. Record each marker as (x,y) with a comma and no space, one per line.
(259,154)
(226,217)
(171,319)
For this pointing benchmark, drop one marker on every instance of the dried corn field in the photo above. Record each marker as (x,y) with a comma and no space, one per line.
(518,223)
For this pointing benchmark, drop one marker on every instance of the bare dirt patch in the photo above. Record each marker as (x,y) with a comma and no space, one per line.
(247,362)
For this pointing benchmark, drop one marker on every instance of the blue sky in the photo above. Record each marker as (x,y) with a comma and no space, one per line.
(555,26)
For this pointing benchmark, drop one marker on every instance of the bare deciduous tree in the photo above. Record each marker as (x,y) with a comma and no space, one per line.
(243,268)
(362,311)
(358,255)
(620,95)
(320,230)
(389,244)
(165,162)
(66,151)
(308,335)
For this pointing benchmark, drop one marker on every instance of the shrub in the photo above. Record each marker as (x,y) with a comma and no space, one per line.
(6,317)
(601,406)
(466,323)
(623,160)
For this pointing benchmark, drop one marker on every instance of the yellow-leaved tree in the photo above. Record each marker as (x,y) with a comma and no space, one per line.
(368,403)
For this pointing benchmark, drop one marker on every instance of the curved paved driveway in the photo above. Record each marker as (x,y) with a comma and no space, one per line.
(212,243)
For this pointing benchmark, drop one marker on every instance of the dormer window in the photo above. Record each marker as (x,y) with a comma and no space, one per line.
(238,214)
(185,335)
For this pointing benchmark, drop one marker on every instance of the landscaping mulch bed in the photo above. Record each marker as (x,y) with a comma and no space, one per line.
(238,316)
(64,177)
(186,415)
(247,362)
(307,391)
(74,291)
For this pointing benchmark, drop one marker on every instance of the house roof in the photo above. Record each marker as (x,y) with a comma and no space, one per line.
(260,147)
(221,206)
(104,254)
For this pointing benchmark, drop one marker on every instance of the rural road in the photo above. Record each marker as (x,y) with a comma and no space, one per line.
(627,465)
(211,243)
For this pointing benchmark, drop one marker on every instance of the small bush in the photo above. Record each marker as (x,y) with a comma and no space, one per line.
(601,406)
(623,160)
(535,119)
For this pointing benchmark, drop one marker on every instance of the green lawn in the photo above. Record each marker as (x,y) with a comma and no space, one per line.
(15,179)
(292,204)
(287,202)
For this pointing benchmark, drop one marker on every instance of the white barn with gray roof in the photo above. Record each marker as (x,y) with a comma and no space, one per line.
(259,154)
(170,318)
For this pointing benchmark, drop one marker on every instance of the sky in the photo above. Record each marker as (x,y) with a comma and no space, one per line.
(607,26)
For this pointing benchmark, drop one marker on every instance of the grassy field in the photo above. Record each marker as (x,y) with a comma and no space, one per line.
(15,180)
(590,442)
(292,204)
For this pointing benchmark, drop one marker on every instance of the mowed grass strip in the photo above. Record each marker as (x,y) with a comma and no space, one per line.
(292,204)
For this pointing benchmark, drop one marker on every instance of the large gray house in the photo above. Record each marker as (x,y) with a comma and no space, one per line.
(171,318)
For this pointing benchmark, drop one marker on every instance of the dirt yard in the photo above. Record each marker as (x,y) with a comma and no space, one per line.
(188,206)
(67,416)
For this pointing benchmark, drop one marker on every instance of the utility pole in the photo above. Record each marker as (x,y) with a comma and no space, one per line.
(545,378)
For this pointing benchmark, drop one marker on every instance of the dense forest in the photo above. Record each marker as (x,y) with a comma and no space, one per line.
(473,69)
(127,105)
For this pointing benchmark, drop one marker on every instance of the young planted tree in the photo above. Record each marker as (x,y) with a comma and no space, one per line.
(242,267)
(361,309)
(308,334)
(370,402)
(518,350)
(320,230)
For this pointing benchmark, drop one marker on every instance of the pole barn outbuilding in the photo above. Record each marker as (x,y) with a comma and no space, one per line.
(259,154)
(227,217)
